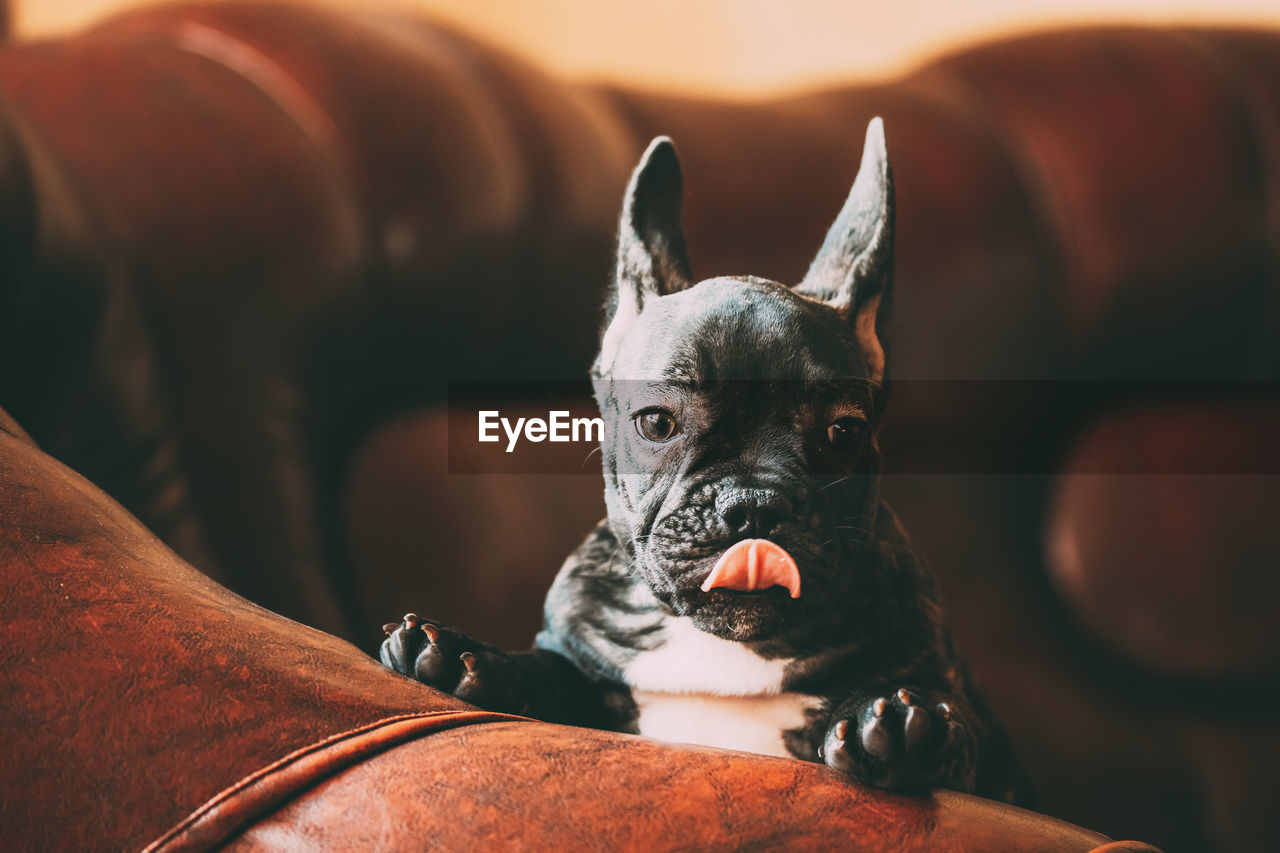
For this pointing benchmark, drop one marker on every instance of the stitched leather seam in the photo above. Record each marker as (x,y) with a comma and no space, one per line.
(268,788)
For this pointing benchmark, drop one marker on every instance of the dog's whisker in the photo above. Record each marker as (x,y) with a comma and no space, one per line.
(836,482)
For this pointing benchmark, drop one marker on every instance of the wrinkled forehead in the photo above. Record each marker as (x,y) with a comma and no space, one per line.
(737,328)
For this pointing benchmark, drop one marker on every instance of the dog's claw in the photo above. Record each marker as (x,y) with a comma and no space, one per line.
(389,627)
(432,632)
(951,741)
(468,661)
(916,730)
(876,739)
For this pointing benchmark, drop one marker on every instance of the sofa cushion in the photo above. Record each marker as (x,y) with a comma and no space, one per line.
(1162,537)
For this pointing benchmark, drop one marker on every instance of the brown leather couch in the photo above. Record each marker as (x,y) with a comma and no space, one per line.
(246,245)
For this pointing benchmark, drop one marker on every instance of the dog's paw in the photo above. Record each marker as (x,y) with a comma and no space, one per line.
(903,741)
(452,662)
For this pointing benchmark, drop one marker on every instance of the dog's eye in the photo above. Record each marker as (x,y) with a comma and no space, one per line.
(843,434)
(657,425)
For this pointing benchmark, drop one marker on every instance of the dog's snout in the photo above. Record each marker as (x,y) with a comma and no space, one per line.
(753,512)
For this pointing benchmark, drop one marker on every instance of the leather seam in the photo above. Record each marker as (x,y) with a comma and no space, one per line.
(213,824)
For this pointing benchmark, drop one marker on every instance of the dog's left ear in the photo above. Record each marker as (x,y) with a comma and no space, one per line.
(853,270)
(653,258)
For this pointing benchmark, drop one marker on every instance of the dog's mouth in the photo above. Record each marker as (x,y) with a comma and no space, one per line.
(744,590)
(741,570)
(754,565)
(741,615)
(747,595)
(795,577)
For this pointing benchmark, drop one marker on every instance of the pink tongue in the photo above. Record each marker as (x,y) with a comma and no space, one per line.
(754,564)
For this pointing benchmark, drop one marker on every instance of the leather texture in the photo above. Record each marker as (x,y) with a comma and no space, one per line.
(265,791)
(159,687)
(246,245)
(164,711)
(675,798)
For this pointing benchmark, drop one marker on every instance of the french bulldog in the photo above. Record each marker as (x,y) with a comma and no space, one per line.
(749,588)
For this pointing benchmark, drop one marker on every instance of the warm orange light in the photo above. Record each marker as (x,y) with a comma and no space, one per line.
(737,46)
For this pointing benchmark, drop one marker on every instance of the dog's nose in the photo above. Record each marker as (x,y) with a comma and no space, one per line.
(753,512)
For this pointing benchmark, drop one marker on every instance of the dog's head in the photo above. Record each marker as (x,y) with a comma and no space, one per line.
(739,407)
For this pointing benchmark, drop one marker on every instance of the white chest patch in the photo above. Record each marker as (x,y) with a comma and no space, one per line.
(691,661)
(698,688)
(749,723)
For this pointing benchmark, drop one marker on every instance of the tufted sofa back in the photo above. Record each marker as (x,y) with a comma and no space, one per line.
(247,245)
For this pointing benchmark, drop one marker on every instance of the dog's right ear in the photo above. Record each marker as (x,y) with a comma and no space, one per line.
(653,258)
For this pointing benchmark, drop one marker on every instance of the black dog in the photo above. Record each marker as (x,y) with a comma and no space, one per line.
(749,589)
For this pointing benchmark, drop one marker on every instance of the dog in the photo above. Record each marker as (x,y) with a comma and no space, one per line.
(749,589)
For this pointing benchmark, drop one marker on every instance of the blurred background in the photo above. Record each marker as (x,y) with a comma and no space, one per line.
(247,245)
(735,47)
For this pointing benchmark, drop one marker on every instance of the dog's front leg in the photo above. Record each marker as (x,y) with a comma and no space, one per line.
(904,738)
(537,683)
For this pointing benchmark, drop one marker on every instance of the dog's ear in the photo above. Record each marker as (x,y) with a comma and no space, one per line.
(653,259)
(853,271)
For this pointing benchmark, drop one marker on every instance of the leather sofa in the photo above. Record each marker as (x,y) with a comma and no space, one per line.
(248,244)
